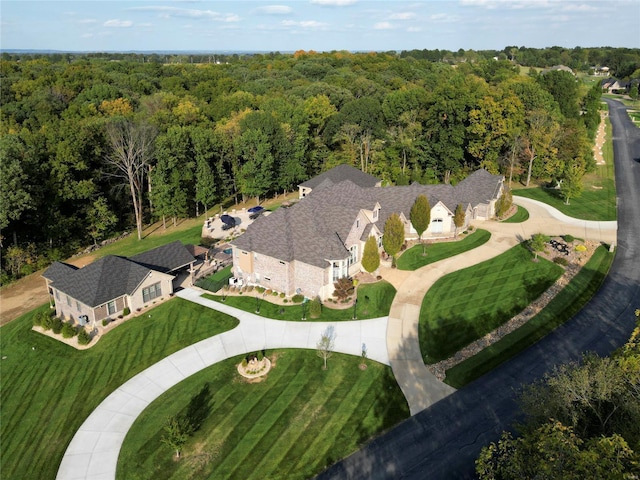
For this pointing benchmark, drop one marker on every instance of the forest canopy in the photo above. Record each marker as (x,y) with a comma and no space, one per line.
(214,129)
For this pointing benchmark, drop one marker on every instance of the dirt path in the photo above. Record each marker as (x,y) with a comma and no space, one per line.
(29,292)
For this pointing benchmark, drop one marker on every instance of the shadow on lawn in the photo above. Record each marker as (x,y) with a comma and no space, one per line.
(199,407)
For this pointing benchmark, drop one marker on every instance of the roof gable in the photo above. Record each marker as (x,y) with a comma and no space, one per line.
(339,174)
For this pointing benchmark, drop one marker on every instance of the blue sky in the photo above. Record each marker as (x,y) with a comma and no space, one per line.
(322,25)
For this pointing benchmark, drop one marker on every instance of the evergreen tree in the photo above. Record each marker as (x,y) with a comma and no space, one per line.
(459,217)
(371,256)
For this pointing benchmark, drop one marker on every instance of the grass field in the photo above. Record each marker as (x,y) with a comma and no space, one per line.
(597,202)
(374,300)
(465,305)
(413,259)
(522,215)
(292,425)
(49,388)
(564,306)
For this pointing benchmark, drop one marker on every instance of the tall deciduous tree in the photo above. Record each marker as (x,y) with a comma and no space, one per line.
(131,151)
(370,255)
(420,215)
(14,197)
(393,236)
(101,219)
(571,186)
(537,244)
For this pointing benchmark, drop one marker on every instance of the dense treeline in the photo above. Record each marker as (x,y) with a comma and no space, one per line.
(93,145)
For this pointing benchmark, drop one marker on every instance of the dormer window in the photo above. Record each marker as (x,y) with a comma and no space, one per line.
(375,214)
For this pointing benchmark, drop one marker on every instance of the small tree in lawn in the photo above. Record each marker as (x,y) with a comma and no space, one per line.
(370,256)
(537,244)
(393,237)
(177,431)
(326,344)
(571,183)
(458,217)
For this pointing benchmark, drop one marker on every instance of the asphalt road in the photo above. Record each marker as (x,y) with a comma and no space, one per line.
(443,441)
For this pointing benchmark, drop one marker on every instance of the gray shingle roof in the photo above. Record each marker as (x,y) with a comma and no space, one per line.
(112,276)
(101,281)
(340,174)
(313,230)
(165,258)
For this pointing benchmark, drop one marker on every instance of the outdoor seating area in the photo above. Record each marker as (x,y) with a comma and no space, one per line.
(561,247)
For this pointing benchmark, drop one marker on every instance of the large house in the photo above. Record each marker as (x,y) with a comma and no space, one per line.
(305,248)
(336,175)
(104,288)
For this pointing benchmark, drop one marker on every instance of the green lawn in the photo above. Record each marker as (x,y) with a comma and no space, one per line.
(131,245)
(597,202)
(413,259)
(465,305)
(292,425)
(564,306)
(374,300)
(522,215)
(49,388)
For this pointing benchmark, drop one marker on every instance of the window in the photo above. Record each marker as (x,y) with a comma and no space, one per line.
(111,307)
(375,214)
(77,305)
(68,301)
(151,292)
(353,254)
(357,223)
(339,270)
(380,241)
(57,294)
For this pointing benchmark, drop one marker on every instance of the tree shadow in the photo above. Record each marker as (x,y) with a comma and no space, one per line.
(199,407)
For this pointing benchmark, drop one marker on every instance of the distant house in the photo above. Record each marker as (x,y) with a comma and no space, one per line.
(561,68)
(336,175)
(307,247)
(612,85)
(601,71)
(107,286)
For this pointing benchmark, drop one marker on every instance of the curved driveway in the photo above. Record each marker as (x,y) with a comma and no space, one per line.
(93,451)
(443,441)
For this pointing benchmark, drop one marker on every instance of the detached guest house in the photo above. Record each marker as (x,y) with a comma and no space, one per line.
(107,286)
(307,247)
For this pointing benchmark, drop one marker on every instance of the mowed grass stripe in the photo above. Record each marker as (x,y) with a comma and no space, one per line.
(49,388)
(465,305)
(275,403)
(264,432)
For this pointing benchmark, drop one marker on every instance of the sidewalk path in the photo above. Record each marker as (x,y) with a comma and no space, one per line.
(420,387)
(93,451)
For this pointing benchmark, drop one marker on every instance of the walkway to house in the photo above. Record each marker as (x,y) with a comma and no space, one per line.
(420,387)
(93,451)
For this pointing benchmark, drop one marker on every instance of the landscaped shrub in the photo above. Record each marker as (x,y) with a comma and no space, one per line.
(285,301)
(260,289)
(126,311)
(244,362)
(581,248)
(315,308)
(56,325)
(68,330)
(282,295)
(83,337)
(568,238)
(268,292)
(343,288)
(561,261)
(297,298)
(38,318)
(105,322)
(274,293)
(259,355)
(47,322)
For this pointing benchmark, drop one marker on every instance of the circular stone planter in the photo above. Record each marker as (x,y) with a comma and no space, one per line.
(255,369)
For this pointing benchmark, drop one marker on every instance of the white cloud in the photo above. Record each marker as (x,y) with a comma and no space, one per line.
(383,26)
(310,24)
(118,23)
(168,12)
(443,18)
(414,29)
(578,7)
(274,10)
(402,16)
(334,3)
